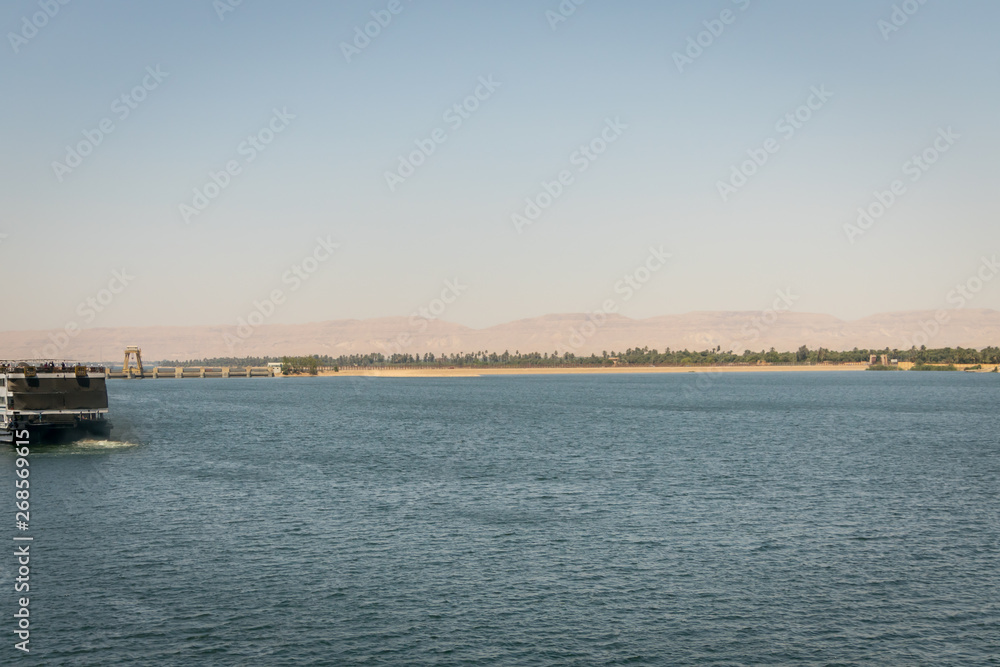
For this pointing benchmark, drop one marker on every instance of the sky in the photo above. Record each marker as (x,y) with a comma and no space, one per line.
(193,162)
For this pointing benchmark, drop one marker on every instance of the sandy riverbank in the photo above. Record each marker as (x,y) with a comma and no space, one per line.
(479,372)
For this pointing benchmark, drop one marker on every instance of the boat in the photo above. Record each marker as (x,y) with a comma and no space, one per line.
(52,402)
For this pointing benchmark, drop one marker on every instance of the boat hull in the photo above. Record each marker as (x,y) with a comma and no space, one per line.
(55,434)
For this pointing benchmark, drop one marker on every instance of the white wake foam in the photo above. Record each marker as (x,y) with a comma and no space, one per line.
(93,445)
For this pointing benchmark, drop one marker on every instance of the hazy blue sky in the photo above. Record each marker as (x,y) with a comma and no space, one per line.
(555,87)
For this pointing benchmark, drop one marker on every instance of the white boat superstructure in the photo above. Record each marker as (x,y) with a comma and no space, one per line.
(52,401)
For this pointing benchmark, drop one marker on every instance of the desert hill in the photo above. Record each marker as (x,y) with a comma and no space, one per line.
(578,333)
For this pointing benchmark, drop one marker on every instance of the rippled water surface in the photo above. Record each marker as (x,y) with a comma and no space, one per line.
(801,519)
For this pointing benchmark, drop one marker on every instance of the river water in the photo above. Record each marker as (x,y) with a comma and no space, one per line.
(790,518)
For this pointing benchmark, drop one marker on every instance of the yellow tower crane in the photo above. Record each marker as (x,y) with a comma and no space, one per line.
(127,369)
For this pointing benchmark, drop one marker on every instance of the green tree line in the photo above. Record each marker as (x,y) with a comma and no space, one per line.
(643,356)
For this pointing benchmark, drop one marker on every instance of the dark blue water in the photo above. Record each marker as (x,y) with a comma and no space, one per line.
(800,519)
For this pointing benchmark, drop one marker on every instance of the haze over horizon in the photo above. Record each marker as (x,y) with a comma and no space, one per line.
(194,163)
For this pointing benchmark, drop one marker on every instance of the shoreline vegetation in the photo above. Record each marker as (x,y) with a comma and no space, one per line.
(633,360)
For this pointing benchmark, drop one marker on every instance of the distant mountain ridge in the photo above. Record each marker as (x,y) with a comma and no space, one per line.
(577,332)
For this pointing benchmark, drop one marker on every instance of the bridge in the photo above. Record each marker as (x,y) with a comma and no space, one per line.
(178,372)
(132,371)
